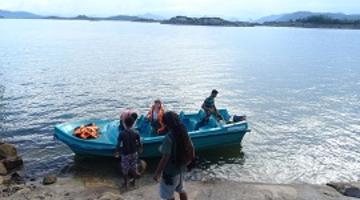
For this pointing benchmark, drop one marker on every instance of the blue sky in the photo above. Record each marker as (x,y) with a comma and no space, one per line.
(241,9)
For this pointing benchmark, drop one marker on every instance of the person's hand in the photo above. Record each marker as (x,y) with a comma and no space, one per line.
(117,154)
(156,177)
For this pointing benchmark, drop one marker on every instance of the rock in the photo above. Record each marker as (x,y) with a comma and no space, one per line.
(7,150)
(13,162)
(50,179)
(20,194)
(110,196)
(17,178)
(6,180)
(347,189)
(14,178)
(3,170)
(142,167)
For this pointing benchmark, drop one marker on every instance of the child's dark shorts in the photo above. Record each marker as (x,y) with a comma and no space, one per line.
(128,163)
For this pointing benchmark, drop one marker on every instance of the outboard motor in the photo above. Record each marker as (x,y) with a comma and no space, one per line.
(239,118)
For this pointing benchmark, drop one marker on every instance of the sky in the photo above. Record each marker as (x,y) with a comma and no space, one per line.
(240,9)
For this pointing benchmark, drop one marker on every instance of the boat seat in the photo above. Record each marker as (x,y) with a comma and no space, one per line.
(225,114)
(182,115)
(143,127)
(211,124)
(189,124)
(201,115)
(113,131)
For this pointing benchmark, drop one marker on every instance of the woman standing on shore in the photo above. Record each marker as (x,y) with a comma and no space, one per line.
(177,150)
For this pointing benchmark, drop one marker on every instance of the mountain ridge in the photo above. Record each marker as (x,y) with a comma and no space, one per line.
(287,17)
(18,14)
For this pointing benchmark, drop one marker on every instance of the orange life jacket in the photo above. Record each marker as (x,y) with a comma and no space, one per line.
(160,117)
(87,132)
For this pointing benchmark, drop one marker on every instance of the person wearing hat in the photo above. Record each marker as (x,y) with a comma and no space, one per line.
(155,115)
(209,107)
(125,114)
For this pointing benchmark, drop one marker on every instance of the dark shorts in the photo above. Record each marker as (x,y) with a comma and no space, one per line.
(169,187)
(129,163)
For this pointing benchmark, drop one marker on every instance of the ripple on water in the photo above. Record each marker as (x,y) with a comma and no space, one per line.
(302,107)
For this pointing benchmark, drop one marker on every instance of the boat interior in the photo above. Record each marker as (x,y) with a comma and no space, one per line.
(192,122)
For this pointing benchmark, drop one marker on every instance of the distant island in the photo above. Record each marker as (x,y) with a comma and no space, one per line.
(112,18)
(318,21)
(27,15)
(305,19)
(302,19)
(204,21)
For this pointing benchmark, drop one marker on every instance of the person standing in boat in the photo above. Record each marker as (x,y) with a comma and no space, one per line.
(209,107)
(177,153)
(128,145)
(155,115)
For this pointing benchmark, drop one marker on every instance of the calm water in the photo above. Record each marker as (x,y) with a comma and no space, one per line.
(299,87)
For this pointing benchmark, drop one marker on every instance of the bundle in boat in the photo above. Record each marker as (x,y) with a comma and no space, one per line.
(88,131)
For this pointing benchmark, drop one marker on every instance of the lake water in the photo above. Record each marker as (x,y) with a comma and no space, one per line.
(300,89)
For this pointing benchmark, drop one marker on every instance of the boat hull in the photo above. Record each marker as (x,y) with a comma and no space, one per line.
(209,136)
(202,139)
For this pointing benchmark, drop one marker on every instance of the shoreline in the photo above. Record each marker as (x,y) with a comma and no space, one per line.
(97,185)
(67,188)
(270,25)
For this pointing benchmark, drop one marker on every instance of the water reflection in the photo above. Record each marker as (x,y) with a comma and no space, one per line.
(225,155)
(109,168)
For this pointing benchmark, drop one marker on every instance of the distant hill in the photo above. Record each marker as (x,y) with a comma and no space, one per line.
(151,16)
(18,15)
(122,18)
(321,19)
(305,14)
(28,15)
(203,21)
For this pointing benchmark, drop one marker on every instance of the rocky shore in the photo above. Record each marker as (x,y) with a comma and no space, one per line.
(16,186)
(83,188)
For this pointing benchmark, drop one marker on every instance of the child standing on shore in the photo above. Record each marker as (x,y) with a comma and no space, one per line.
(128,145)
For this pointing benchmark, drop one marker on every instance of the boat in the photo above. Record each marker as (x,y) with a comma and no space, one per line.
(213,135)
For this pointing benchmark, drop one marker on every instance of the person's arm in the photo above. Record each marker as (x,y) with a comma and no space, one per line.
(117,150)
(218,113)
(203,106)
(160,167)
(149,114)
(161,122)
(165,150)
(161,129)
(139,144)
